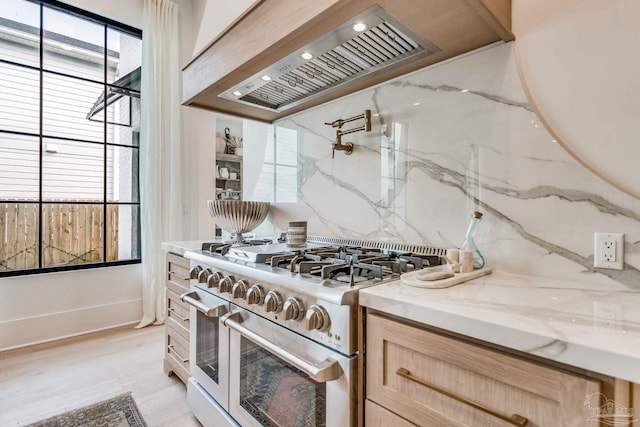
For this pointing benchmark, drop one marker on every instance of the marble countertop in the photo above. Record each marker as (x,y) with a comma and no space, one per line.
(183,246)
(594,327)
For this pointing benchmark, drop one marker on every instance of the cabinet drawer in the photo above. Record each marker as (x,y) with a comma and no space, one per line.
(177,273)
(377,416)
(434,380)
(177,348)
(177,314)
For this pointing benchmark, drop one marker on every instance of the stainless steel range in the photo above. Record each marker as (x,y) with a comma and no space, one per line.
(274,341)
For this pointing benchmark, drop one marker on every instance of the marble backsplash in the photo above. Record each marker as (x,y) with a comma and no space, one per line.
(447,140)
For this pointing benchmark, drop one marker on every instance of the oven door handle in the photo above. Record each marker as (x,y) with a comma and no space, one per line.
(193,299)
(327,370)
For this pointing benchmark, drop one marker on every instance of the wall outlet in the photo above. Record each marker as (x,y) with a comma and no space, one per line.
(608,250)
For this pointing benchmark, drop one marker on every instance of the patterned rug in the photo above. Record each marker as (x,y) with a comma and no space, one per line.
(120,411)
(276,394)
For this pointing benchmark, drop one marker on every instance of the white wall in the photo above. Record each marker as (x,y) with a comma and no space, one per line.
(579,60)
(126,11)
(255,136)
(210,18)
(45,307)
(199,132)
(217,15)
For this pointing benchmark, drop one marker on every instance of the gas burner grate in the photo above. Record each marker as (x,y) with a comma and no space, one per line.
(352,264)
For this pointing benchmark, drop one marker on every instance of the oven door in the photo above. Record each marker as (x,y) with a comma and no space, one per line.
(209,344)
(281,379)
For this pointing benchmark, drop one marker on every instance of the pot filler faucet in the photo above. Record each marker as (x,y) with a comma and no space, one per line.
(348,146)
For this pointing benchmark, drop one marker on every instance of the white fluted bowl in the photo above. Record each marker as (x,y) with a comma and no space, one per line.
(238,216)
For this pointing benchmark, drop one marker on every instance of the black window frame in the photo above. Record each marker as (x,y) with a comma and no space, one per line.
(107,24)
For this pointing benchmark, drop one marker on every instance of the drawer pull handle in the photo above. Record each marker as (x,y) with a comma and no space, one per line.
(173,273)
(173,350)
(175,313)
(515,419)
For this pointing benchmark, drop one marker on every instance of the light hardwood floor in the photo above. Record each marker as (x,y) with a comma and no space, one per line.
(46,380)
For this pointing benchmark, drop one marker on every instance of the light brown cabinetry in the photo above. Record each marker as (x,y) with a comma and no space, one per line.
(426,378)
(626,404)
(176,357)
(377,416)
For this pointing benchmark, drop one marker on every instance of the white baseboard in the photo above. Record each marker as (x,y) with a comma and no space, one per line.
(24,332)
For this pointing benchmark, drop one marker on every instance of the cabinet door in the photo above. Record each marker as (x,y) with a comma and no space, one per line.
(626,402)
(435,380)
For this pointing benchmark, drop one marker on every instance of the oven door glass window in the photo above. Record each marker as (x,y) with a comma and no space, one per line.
(207,357)
(276,394)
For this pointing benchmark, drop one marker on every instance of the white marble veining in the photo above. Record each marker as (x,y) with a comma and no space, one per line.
(447,140)
(589,326)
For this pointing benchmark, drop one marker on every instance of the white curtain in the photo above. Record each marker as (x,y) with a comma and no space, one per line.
(160,150)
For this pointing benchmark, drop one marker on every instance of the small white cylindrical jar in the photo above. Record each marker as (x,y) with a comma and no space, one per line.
(466,261)
(453,255)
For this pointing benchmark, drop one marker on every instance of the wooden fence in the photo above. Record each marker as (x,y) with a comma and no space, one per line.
(71,234)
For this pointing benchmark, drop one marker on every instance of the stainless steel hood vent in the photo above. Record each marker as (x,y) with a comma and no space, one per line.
(340,56)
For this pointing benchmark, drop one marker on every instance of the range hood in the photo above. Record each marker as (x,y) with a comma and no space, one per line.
(336,58)
(279,59)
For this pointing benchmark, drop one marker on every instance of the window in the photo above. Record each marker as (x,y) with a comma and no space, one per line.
(278,180)
(69,139)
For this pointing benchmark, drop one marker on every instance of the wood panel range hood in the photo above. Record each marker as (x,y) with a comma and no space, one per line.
(284,56)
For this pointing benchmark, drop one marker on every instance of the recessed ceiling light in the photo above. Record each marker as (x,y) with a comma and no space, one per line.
(306,55)
(237,93)
(266,78)
(359,27)
(416,103)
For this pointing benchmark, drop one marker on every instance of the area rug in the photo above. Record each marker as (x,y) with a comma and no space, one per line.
(120,411)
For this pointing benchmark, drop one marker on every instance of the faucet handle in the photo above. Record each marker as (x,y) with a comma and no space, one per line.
(336,123)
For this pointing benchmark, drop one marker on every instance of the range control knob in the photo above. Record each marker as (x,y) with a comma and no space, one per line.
(255,295)
(239,289)
(316,318)
(213,280)
(226,284)
(202,276)
(293,309)
(273,301)
(193,274)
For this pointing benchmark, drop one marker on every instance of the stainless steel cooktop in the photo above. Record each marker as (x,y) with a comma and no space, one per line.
(293,286)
